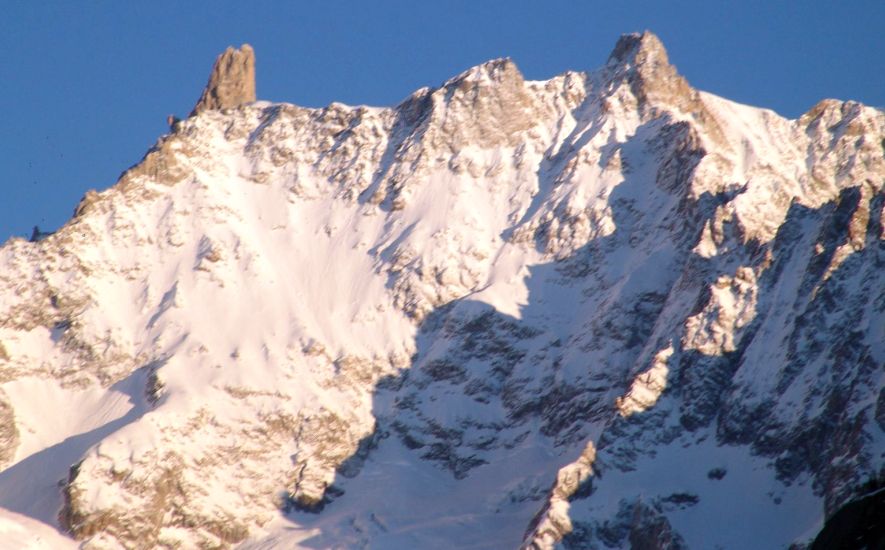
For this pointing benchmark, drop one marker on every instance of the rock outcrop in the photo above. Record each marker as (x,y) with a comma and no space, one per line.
(9,437)
(232,81)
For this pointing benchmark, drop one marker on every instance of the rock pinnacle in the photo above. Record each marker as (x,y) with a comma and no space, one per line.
(232,81)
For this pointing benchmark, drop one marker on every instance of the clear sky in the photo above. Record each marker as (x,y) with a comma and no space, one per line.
(85,87)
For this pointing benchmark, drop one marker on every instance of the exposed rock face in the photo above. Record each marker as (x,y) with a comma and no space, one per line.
(598,311)
(9,437)
(232,81)
(552,522)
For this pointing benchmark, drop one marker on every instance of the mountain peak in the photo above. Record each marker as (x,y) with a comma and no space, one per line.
(232,81)
(642,60)
(638,50)
(485,105)
(494,71)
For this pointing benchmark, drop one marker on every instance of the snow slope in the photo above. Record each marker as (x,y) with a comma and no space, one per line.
(601,310)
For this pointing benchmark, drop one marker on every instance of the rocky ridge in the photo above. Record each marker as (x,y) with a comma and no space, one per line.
(527,299)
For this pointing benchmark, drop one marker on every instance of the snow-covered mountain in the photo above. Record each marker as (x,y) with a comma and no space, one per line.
(604,310)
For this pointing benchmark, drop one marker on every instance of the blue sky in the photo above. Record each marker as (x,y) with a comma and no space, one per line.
(85,87)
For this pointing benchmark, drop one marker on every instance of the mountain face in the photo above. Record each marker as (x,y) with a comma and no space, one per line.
(604,310)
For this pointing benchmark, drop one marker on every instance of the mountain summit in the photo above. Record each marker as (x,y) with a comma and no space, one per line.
(603,310)
(232,81)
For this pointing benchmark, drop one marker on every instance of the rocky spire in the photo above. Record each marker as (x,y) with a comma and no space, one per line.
(232,81)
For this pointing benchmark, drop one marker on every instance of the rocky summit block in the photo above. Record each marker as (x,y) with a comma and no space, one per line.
(232,81)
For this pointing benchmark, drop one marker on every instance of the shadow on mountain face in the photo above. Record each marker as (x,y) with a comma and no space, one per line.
(829,352)
(469,439)
(825,354)
(501,402)
(32,487)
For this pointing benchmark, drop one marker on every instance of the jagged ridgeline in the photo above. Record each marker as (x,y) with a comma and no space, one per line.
(604,310)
